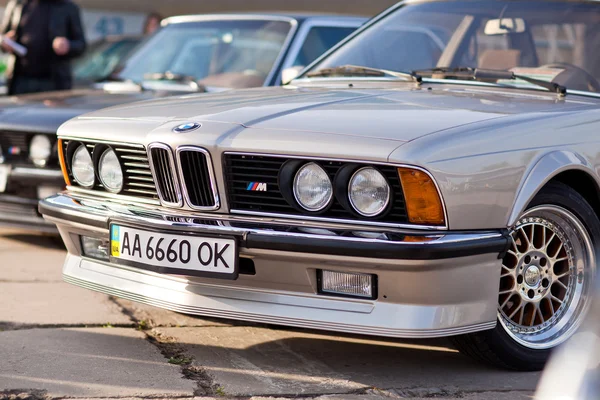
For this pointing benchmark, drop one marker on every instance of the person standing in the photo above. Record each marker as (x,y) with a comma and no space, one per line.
(51,31)
(152,23)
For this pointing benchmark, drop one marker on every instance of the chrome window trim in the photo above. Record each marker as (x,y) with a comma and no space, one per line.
(257,17)
(223,17)
(174,174)
(211,175)
(366,223)
(304,29)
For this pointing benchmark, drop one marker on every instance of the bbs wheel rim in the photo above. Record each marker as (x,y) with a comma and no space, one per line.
(545,279)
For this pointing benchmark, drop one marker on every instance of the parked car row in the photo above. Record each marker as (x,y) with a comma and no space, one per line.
(433,174)
(189,54)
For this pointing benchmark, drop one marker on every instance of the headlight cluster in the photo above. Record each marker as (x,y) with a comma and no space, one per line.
(312,187)
(369,192)
(82,167)
(362,190)
(110,172)
(40,150)
(101,165)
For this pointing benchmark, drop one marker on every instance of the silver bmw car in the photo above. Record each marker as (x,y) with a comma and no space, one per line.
(435,174)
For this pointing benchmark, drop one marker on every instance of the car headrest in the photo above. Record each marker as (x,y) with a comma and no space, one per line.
(500,59)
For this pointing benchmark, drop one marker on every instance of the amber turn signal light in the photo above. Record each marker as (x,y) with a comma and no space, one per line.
(63,164)
(423,203)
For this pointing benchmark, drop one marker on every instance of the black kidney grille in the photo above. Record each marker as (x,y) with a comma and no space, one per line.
(166,180)
(138,181)
(243,170)
(196,178)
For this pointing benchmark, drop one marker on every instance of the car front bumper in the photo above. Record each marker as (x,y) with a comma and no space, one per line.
(19,203)
(429,284)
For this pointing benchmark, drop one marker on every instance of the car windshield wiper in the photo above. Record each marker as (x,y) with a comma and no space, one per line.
(354,70)
(168,76)
(489,75)
(113,79)
(173,77)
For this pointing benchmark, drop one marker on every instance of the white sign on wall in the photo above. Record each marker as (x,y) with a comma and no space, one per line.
(100,23)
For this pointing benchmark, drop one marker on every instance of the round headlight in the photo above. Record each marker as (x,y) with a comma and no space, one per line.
(312,187)
(110,171)
(40,150)
(369,192)
(83,167)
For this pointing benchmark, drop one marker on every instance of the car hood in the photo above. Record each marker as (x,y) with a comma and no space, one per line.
(45,112)
(401,112)
(358,120)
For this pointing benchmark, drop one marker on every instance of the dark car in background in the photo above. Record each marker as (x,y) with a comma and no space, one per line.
(189,54)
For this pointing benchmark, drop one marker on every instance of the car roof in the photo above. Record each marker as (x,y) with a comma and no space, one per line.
(299,17)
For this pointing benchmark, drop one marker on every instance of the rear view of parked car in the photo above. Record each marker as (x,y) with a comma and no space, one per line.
(188,54)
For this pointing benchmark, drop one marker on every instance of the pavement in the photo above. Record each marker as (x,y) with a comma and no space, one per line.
(58,341)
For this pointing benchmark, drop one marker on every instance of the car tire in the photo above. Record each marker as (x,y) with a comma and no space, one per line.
(534,319)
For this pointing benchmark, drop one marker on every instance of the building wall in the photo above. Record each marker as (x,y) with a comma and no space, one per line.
(117,17)
(172,7)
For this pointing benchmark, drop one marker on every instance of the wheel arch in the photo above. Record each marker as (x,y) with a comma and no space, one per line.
(567,167)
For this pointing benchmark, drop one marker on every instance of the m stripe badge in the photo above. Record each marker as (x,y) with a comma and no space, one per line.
(257,187)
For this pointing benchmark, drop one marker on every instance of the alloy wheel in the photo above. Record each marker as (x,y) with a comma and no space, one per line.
(546,276)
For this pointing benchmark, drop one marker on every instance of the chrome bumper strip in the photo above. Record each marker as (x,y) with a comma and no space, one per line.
(24,172)
(256,233)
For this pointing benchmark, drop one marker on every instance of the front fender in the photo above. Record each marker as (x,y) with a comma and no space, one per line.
(547,167)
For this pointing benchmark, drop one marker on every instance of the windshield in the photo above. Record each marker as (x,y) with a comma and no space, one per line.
(101,58)
(235,53)
(553,41)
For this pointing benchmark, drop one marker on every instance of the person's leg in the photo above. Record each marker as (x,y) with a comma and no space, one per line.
(24,85)
(19,85)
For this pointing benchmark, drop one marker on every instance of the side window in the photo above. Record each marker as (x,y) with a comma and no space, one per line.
(318,41)
(562,43)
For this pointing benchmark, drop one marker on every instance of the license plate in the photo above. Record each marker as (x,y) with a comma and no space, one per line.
(174,254)
(4,173)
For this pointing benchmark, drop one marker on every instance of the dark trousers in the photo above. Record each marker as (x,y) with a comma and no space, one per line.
(24,84)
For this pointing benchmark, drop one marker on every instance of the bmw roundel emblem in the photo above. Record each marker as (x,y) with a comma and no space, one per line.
(188,127)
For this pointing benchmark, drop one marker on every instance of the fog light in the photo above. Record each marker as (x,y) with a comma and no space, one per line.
(345,284)
(95,248)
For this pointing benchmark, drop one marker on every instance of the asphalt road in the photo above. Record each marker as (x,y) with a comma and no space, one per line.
(60,341)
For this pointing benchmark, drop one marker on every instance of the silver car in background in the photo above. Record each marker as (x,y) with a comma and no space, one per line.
(436,174)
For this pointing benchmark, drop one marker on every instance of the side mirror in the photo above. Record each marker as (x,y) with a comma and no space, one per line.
(504,26)
(289,74)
